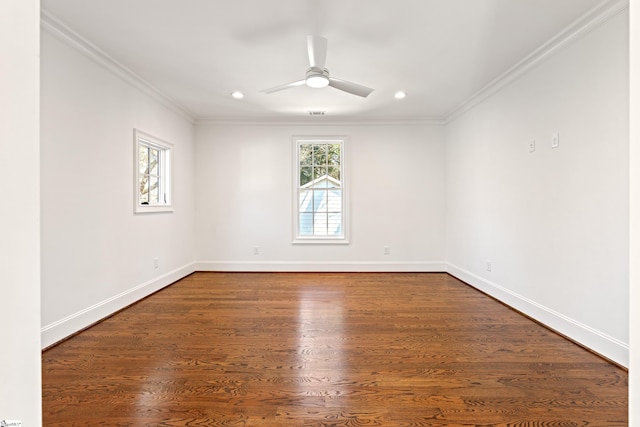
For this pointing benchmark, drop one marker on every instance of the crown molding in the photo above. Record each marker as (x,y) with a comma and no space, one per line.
(55,27)
(319,121)
(591,20)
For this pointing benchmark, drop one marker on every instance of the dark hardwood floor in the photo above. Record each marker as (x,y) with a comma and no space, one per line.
(307,349)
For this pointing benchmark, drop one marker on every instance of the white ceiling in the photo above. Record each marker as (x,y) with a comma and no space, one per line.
(440,52)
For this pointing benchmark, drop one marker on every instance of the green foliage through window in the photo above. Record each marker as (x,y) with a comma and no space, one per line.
(318,160)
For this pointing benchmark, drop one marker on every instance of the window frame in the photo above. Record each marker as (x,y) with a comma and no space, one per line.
(165,165)
(297,141)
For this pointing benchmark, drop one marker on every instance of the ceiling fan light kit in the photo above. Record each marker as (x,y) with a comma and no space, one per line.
(317,76)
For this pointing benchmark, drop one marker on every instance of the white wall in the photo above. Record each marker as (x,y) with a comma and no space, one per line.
(97,256)
(553,223)
(19,217)
(634,215)
(396,196)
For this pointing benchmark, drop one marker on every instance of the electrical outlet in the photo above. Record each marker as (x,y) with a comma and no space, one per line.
(488,265)
(387,250)
(156,263)
(256,250)
(532,145)
(555,140)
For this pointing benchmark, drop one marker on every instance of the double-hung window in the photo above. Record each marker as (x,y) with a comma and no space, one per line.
(152,184)
(320,199)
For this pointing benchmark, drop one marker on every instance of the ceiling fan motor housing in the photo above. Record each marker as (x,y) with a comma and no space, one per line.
(317,78)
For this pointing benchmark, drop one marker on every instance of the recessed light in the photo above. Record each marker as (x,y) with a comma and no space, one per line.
(237,95)
(400,95)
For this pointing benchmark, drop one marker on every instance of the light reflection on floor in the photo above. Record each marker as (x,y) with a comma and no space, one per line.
(321,332)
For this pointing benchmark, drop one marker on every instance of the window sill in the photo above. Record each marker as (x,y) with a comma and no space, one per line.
(320,241)
(153,209)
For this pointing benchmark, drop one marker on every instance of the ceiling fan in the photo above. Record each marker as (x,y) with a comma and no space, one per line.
(317,76)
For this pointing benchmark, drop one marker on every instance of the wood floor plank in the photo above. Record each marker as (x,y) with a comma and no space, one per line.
(326,349)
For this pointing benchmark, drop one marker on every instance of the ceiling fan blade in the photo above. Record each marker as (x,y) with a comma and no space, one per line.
(352,88)
(284,86)
(317,47)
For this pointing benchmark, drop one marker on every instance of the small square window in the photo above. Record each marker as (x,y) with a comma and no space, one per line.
(152,171)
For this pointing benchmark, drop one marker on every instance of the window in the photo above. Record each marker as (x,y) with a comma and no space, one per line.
(152,186)
(320,202)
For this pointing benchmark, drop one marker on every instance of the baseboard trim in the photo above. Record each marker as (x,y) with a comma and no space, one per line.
(321,266)
(76,322)
(594,340)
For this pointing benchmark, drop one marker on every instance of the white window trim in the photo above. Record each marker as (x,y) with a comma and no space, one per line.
(166,168)
(330,240)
